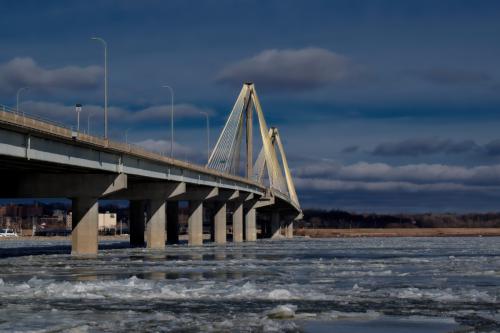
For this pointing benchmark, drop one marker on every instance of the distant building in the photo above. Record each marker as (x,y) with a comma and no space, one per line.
(107,221)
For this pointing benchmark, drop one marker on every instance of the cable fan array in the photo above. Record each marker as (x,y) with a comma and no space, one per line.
(225,156)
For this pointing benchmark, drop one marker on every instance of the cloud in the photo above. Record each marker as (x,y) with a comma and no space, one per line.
(381,176)
(291,70)
(21,72)
(424,146)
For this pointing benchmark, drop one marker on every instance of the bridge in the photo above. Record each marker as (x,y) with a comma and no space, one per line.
(44,159)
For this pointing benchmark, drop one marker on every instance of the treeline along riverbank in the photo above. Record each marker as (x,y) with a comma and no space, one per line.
(337,219)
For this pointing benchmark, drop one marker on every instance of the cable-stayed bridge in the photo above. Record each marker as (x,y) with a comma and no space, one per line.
(234,195)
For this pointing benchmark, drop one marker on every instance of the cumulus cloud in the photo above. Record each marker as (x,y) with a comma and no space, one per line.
(20,72)
(384,177)
(424,146)
(291,70)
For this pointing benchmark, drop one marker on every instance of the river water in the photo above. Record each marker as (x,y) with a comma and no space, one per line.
(301,285)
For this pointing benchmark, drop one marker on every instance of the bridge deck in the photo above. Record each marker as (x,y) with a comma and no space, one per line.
(116,157)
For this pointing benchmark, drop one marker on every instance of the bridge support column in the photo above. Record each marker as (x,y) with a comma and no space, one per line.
(173,222)
(195,223)
(136,223)
(238,222)
(275,225)
(85,226)
(220,230)
(155,227)
(250,225)
(289,230)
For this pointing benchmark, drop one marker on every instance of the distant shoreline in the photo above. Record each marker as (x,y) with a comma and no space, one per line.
(398,232)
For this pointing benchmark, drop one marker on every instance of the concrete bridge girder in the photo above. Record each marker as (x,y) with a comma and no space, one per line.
(53,185)
(147,190)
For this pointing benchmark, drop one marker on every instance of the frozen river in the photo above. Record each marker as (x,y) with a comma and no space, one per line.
(301,285)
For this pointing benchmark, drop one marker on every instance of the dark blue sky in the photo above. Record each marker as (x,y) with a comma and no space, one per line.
(383,105)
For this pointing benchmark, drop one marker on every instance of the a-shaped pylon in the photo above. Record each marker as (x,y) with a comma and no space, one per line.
(225,156)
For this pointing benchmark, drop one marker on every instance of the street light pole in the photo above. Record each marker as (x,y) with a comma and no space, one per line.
(171,119)
(17,97)
(78,108)
(105,84)
(208,134)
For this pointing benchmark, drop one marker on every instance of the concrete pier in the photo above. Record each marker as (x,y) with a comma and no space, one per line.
(289,230)
(85,224)
(220,227)
(136,223)
(172,222)
(195,223)
(275,225)
(250,225)
(238,222)
(155,227)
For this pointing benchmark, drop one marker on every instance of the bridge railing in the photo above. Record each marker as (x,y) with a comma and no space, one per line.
(26,118)
(27,115)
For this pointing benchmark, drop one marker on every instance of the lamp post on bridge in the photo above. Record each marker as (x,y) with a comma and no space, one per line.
(17,97)
(105,84)
(78,109)
(171,119)
(208,134)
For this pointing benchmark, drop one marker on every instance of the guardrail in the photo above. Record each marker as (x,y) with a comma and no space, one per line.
(26,115)
(23,114)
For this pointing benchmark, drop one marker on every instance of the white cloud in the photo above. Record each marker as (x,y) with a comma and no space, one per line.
(20,72)
(301,69)
(384,177)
